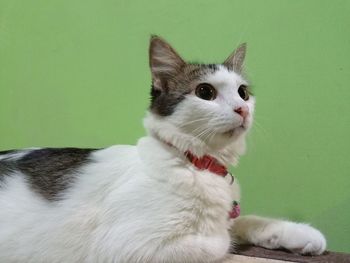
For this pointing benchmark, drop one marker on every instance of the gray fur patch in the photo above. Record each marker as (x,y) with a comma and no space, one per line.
(48,171)
(6,168)
(174,89)
(6,165)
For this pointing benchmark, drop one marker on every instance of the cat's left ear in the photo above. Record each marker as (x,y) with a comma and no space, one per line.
(236,59)
(164,61)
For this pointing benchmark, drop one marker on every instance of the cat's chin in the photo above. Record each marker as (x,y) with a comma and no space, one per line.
(234,132)
(221,140)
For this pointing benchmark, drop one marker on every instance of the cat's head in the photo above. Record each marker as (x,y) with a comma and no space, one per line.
(199,107)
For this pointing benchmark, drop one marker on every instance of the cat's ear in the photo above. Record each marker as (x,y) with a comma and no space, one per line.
(163,60)
(236,59)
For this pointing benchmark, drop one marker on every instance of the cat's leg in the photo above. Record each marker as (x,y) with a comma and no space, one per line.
(272,233)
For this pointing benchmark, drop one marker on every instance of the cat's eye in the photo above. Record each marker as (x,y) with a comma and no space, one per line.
(206,91)
(243,92)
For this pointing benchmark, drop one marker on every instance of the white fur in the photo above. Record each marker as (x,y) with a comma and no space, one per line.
(147,203)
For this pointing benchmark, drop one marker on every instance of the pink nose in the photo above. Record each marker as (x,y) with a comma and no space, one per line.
(243,111)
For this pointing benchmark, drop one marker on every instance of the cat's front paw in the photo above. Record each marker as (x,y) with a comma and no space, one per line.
(298,238)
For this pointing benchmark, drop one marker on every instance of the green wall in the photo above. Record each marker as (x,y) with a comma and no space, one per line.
(75,73)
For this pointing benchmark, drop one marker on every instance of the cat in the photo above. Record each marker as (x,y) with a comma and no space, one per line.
(170,198)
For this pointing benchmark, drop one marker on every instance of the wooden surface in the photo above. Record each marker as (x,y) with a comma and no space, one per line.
(261,255)
(246,259)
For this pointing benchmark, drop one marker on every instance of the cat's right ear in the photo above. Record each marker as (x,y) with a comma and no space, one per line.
(164,61)
(236,59)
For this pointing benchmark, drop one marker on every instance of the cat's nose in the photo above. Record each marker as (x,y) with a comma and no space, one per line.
(243,111)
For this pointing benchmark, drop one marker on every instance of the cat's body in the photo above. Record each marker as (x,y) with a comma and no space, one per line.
(145,203)
(120,207)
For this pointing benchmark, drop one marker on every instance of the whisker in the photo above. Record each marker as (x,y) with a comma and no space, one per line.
(194,121)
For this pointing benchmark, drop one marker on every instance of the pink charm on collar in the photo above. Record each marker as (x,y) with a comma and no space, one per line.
(236,210)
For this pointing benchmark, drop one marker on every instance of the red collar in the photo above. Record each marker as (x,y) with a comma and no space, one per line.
(207,162)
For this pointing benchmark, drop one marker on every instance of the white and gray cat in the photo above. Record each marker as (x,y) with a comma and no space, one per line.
(167,199)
